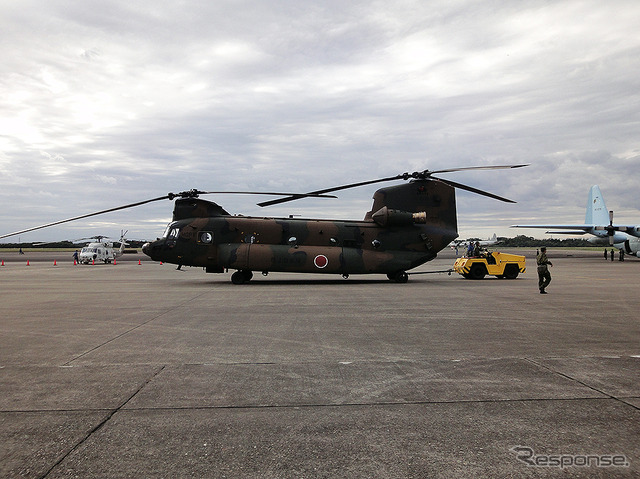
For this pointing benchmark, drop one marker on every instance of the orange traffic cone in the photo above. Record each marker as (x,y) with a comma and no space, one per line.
(93,262)
(114,261)
(74,263)
(54,263)
(2,262)
(27,262)
(139,261)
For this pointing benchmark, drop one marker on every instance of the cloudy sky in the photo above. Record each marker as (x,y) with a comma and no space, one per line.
(108,103)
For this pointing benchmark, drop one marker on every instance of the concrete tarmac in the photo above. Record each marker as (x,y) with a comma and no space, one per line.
(139,370)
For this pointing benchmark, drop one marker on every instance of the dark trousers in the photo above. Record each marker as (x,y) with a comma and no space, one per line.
(544,278)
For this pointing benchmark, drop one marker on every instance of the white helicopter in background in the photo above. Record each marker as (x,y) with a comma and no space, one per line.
(99,251)
(464,244)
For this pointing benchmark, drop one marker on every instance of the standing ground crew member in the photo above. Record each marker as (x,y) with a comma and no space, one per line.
(544,276)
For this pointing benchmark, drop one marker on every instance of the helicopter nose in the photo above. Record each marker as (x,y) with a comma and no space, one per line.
(145,248)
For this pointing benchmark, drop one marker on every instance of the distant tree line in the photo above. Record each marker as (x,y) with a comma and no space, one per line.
(531,242)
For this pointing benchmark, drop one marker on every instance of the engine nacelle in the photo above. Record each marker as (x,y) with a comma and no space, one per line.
(388,217)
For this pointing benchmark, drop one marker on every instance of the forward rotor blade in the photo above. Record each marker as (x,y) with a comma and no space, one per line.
(330,190)
(170,196)
(474,190)
(117,208)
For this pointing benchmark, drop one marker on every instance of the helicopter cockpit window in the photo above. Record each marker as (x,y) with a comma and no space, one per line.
(171,232)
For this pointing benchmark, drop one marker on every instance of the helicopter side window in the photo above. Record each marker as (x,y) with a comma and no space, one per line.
(205,237)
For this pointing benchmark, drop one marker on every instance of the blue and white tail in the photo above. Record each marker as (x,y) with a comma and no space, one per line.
(597,213)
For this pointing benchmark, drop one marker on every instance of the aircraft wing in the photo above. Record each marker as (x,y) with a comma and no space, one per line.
(566,232)
(581,229)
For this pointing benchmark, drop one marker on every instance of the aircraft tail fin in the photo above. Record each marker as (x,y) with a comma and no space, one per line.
(123,242)
(597,213)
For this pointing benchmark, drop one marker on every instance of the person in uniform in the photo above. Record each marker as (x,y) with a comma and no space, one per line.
(544,276)
(470,249)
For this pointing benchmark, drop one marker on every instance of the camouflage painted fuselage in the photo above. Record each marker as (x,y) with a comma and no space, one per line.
(406,227)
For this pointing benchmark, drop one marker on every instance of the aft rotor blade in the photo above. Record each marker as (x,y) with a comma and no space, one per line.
(330,190)
(405,176)
(117,208)
(493,167)
(269,193)
(474,190)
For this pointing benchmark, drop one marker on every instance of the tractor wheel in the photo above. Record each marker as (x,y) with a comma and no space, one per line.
(477,271)
(511,271)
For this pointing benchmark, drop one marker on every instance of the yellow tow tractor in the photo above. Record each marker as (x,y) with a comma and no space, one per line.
(501,265)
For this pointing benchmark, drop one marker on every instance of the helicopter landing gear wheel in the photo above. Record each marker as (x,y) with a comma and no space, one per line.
(241,277)
(399,277)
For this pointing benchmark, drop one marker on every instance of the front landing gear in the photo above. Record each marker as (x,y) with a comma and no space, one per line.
(241,277)
(399,277)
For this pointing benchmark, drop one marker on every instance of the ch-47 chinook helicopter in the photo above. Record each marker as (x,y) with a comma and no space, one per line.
(407,226)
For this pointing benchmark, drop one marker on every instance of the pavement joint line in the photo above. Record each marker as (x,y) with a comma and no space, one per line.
(301,406)
(97,427)
(124,333)
(394,361)
(370,404)
(593,388)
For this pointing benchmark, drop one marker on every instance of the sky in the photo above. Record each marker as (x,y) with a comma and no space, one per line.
(109,103)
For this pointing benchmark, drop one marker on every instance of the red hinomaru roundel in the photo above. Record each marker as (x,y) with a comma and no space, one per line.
(320,261)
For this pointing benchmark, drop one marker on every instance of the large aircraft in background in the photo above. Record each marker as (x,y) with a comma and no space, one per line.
(598,222)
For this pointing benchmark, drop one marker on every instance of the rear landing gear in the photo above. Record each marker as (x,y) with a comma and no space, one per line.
(399,277)
(241,277)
